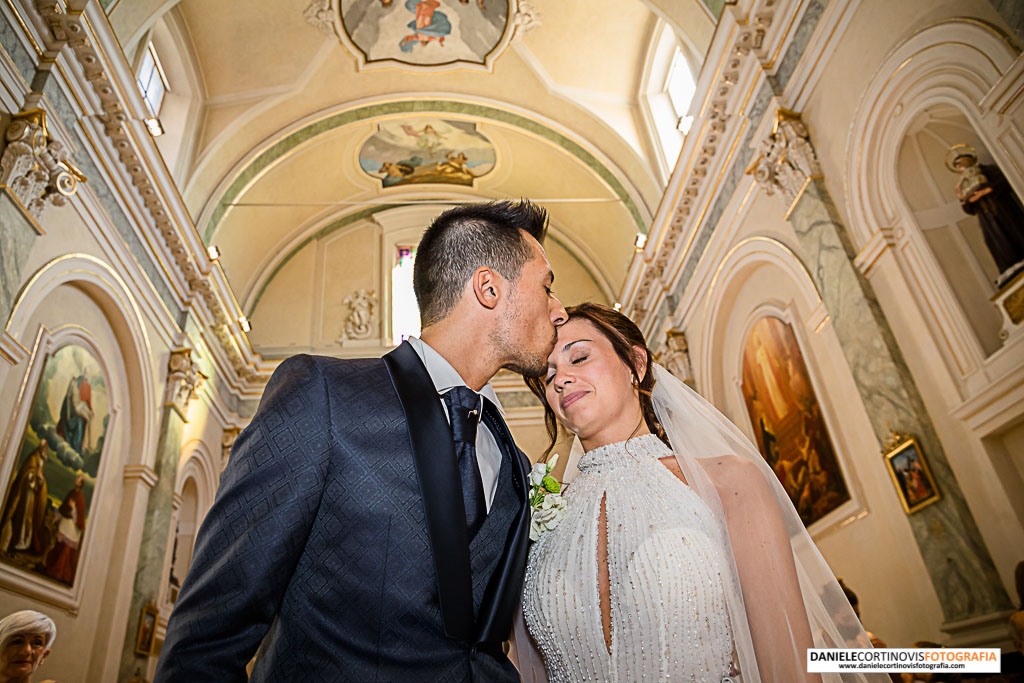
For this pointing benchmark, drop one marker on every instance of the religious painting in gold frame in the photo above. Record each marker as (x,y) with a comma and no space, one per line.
(145,642)
(910,474)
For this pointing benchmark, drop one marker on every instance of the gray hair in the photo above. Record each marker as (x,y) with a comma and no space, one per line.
(27,621)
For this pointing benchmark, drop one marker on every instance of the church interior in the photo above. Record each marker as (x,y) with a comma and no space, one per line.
(811,208)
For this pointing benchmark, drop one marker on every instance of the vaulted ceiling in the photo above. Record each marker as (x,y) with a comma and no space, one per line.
(278,120)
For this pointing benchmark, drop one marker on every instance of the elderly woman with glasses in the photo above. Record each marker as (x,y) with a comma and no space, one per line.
(25,640)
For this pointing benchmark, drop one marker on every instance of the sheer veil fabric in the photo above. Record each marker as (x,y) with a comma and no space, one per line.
(700,436)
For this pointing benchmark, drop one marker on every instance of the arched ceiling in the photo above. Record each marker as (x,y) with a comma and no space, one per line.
(292,125)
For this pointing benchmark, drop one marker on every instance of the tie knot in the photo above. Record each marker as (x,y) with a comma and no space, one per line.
(464,407)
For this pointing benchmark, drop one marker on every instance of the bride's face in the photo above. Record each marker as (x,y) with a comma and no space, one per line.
(590,388)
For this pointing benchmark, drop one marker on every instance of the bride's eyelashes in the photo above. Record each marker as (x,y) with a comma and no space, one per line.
(574,361)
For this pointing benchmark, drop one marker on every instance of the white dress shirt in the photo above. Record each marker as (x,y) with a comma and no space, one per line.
(446,378)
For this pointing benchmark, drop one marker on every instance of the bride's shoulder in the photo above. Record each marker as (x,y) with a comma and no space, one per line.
(735,475)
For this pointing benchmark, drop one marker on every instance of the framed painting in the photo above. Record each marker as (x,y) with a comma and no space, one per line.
(145,641)
(46,506)
(787,420)
(910,473)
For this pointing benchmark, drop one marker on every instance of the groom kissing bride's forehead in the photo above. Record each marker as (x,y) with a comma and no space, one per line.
(372,521)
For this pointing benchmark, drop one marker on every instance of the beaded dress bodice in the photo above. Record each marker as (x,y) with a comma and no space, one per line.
(666,568)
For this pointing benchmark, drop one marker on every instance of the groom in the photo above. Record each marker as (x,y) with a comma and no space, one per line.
(372,521)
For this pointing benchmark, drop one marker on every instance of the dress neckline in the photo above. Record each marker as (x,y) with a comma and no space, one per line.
(639,448)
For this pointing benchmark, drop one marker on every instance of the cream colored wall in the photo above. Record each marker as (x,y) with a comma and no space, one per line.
(303,309)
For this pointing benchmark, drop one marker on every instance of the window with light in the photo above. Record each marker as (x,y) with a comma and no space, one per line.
(405,313)
(680,88)
(152,81)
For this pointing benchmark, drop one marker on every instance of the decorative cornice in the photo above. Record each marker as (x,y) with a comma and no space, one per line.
(748,43)
(786,161)
(71,27)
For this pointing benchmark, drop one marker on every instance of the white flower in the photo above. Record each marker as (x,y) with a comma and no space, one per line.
(538,473)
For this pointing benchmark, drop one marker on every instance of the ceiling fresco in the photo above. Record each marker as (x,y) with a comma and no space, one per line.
(424,33)
(427,150)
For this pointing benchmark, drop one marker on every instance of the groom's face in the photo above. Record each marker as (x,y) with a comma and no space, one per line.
(531,317)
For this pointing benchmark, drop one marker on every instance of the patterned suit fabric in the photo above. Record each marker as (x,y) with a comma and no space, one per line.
(317,546)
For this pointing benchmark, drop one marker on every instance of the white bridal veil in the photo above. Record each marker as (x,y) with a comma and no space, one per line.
(700,435)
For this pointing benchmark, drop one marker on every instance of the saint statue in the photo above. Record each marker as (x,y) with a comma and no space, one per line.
(984,192)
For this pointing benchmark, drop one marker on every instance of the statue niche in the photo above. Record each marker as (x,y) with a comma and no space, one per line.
(984,192)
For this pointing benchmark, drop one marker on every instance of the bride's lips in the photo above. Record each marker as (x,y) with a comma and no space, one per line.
(569,399)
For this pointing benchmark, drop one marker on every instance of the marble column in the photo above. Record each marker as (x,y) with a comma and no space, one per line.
(959,565)
(183,381)
(35,173)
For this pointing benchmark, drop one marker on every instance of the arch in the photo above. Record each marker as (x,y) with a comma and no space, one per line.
(956,62)
(203,468)
(280,145)
(101,283)
(322,226)
(738,263)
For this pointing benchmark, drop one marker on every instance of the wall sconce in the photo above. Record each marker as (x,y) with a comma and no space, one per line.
(156,129)
(641,241)
(213,252)
(245,324)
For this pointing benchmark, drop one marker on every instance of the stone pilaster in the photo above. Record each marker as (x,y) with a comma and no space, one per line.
(183,381)
(959,565)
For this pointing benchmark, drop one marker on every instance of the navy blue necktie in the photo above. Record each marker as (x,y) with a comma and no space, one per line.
(464,407)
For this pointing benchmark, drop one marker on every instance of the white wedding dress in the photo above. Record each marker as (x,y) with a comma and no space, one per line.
(667,568)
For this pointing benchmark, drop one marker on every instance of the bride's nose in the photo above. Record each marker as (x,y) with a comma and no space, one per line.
(560,380)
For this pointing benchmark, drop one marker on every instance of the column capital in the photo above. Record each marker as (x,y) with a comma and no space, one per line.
(675,356)
(184,379)
(36,169)
(786,159)
(227,440)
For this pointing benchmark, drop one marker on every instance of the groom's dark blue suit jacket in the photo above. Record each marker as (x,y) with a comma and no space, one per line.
(338,540)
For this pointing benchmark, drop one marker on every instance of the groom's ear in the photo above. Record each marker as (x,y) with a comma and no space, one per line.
(487,287)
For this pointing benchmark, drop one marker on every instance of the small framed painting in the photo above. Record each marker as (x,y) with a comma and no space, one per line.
(146,641)
(910,474)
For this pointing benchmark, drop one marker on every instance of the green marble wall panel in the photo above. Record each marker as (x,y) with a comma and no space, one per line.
(16,237)
(1012,12)
(155,534)
(959,565)
(10,42)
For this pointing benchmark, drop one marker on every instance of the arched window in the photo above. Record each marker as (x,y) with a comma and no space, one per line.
(666,91)
(405,313)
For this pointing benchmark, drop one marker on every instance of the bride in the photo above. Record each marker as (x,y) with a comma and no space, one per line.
(680,556)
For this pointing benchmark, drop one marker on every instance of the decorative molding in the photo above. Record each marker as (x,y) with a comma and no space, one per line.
(140,472)
(227,441)
(320,14)
(359,322)
(749,43)
(184,379)
(71,27)
(786,159)
(675,357)
(37,169)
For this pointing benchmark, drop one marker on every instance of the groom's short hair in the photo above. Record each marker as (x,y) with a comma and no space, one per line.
(468,237)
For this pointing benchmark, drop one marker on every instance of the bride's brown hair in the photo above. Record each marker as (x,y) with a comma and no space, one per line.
(624,336)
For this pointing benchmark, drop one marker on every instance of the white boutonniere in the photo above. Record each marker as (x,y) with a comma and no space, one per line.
(546,501)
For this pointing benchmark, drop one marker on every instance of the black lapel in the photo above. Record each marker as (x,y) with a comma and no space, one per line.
(441,487)
(494,619)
